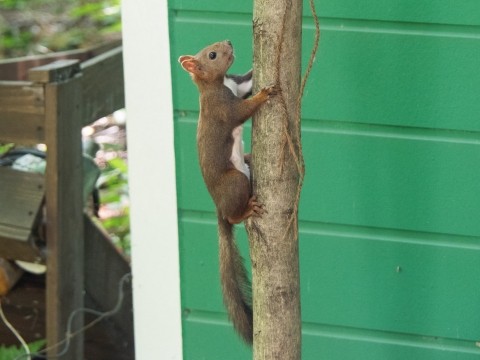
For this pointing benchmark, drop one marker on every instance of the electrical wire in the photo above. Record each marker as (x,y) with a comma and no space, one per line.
(69,334)
(15,332)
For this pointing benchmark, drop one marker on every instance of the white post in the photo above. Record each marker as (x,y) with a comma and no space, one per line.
(155,258)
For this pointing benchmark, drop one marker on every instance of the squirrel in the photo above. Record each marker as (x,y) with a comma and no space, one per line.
(223,109)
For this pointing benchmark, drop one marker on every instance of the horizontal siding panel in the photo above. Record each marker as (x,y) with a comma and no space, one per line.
(199,262)
(364,73)
(405,284)
(222,6)
(458,12)
(191,189)
(352,344)
(400,285)
(391,135)
(210,337)
(423,11)
(411,181)
(212,340)
(396,79)
(381,180)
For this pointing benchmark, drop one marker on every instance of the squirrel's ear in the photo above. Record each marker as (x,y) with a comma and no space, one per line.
(184,57)
(191,65)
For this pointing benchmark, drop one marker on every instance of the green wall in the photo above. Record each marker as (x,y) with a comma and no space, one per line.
(390,211)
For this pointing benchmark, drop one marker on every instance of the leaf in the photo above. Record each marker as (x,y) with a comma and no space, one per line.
(118,163)
(11,352)
(6,147)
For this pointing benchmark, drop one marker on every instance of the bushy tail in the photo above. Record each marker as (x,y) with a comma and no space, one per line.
(236,286)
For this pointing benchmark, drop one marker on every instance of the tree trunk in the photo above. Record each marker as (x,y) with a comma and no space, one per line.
(277,169)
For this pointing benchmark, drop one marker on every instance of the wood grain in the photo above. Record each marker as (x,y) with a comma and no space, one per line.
(102,85)
(65,280)
(21,112)
(23,192)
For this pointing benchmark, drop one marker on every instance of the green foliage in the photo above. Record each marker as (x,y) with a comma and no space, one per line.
(98,17)
(6,147)
(104,13)
(43,26)
(11,352)
(114,192)
(25,4)
(13,4)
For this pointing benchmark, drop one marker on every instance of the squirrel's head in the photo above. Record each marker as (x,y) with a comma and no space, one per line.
(210,64)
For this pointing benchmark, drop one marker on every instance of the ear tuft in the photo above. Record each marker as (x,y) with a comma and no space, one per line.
(184,57)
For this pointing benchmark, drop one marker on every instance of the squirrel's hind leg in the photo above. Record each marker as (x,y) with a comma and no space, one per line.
(234,202)
(254,208)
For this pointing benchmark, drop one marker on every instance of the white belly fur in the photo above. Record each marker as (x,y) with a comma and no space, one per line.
(237,158)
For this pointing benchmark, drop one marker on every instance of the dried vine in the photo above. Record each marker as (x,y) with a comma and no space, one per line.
(298,154)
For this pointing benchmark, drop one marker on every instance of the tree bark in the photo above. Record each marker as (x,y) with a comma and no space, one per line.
(277,169)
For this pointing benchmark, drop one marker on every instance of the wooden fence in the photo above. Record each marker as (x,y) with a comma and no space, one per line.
(50,105)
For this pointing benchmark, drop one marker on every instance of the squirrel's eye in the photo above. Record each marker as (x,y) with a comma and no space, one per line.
(212,55)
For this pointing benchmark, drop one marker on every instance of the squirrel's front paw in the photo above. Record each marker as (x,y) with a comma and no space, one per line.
(271,90)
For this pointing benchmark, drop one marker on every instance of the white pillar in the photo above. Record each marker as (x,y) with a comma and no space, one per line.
(155,258)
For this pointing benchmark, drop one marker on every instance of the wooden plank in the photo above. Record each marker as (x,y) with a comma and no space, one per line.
(407,90)
(23,192)
(418,181)
(391,141)
(212,338)
(391,281)
(411,179)
(450,12)
(22,128)
(57,71)
(21,112)
(20,235)
(420,284)
(104,269)
(17,68)
(64,174)
(12,248)
(103,85)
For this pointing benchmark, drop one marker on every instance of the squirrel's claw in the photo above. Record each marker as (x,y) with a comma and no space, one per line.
(272,89)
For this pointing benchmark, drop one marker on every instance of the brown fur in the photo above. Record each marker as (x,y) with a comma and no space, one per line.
(220,112)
